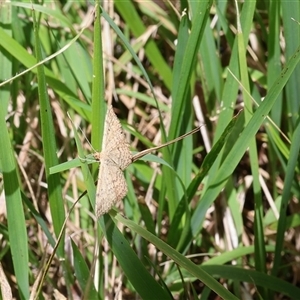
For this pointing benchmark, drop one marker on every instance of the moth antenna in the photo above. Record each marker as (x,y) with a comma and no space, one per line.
(87,139)
(82,133)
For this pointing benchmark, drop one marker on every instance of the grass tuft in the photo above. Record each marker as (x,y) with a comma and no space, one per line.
(213,215)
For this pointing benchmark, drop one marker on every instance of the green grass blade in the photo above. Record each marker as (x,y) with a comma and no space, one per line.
(290,173)
(49,143)
(179,259)
(274,57)
(14,206)
(132,19)
(254,277)
(260,253)
(16,224)
(292,38)
(135,271)
(231,85)
(98,89)
(181,84)
(83,274)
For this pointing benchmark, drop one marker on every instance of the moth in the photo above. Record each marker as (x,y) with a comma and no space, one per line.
(114,158)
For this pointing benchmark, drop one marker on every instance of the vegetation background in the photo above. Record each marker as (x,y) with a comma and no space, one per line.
(213,216)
